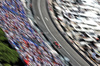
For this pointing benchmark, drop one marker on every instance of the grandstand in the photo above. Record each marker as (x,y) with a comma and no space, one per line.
(25,39)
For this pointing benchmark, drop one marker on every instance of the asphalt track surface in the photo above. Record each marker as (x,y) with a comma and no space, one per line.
(44,22)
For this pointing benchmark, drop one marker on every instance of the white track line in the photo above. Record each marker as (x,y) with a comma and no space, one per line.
(46,18)
(50,31)
(38,18)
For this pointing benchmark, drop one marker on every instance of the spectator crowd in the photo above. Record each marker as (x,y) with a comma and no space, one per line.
(23,37)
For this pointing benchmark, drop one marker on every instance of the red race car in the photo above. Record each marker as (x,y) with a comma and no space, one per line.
(56,44)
